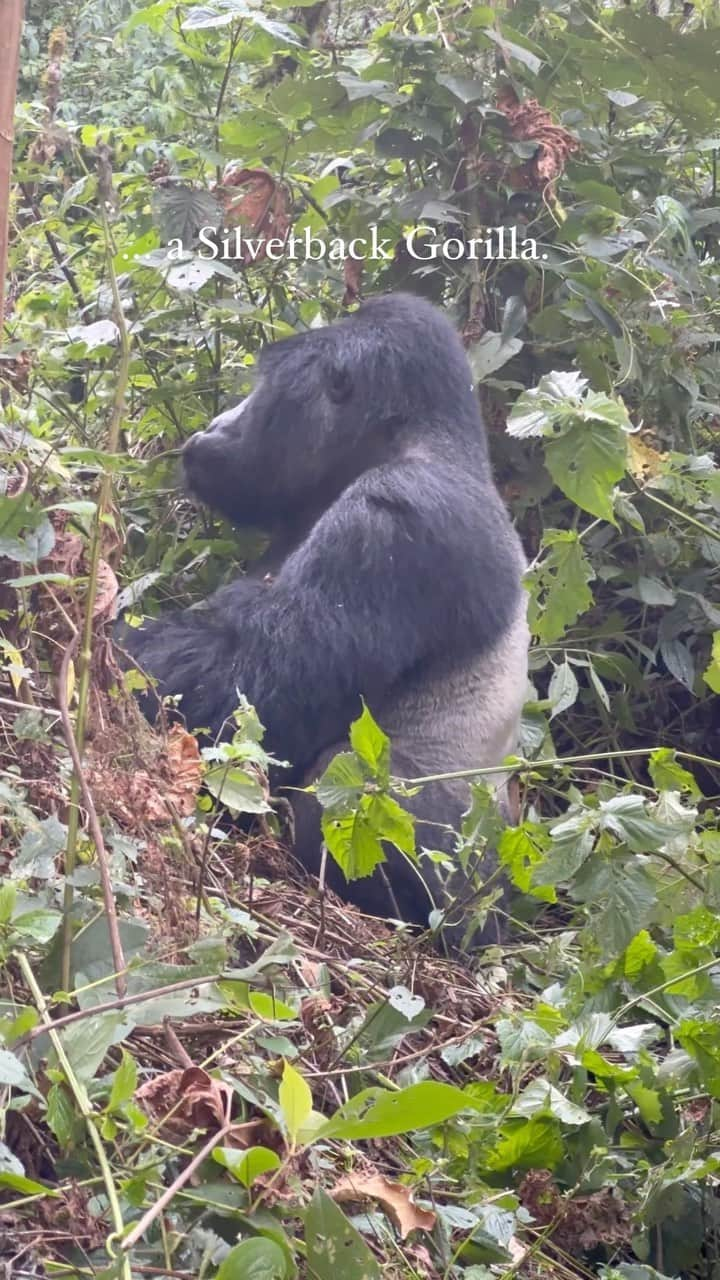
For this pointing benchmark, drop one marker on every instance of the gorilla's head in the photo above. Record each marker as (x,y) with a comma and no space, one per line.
(331,403)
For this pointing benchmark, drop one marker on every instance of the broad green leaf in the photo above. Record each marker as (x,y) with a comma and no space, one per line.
(62,1116)
(627,817)
(586,462)
(257,1259)
(390,821)
(248,1165)
(352,841)
(295,1100)
(512,50)
(540,1095)
(376,1113)
(669,775)
(124,1082)
(528,1144)
(491,353)
(641,952)
(372,745)
(559,593)
(563,689)
(86,1043)
(342,784)
(14,1074)
(237,788)
(336,1251)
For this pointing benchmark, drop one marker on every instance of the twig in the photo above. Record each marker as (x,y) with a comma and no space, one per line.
(83,1102)
(94,824)
(122,1002)
(85,654)
(155,1210)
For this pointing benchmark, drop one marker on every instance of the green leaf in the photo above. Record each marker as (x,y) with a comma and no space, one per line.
(342,784)
(377,1113)
(8,898)
(529,1144)
(491,353)
(61,1115)
(711,674)
(336,1251)
(14,1074)
(240,790)
(559,592)
(512,50)
(295,1100)
(679,661)
(463,88)
(390,821)
(372,746)
(563,689)
(353,842)
(541,1096)
(248,1165)
(258,1259)
(627,817)
(87,1042)
(267,1006)
(182,210)
(586,461)
(668,775)
(641,952)
(646,1100)
(124,1082)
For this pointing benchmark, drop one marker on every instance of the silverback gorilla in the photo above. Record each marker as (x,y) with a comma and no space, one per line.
(396,577)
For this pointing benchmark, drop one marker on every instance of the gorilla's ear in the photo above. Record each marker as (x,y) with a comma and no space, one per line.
(339,381)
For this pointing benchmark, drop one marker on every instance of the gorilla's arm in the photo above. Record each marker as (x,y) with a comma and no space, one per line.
(380,583)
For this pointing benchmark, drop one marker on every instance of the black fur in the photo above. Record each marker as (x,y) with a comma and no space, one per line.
(362,452)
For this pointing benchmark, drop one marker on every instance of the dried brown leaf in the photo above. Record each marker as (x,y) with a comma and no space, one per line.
(395,1198)
(185,1100)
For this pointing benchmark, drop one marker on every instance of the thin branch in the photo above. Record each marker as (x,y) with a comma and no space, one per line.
(85,655)
(83,1102)
(116,947)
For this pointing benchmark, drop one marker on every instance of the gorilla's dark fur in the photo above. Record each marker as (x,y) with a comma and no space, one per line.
(396,574)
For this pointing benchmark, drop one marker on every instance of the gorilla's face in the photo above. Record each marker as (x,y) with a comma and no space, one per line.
(329,404)
(268,460)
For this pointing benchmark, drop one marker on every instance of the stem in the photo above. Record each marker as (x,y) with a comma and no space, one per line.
(83,1103)
(518,764)
(156,1209)
(95,828)
(85,655)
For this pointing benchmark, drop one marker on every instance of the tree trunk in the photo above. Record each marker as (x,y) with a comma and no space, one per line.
(11,19)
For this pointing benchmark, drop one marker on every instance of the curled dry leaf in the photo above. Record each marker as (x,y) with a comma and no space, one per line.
(181,1101)
(107,590)
(184,769)
(644,461)
(352,276)
(529,122)
(257,204)
(395,1199)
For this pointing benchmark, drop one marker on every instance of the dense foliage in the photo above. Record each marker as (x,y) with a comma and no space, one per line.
(553,1110)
